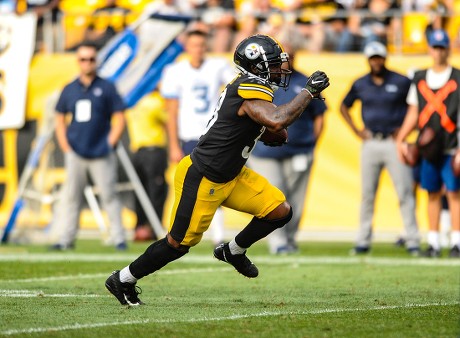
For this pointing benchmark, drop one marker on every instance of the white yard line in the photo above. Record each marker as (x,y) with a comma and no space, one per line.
(215,319)
(105,275)
(33,294)
(206,259)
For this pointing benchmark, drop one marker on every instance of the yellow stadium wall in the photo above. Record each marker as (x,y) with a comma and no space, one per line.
(333,197)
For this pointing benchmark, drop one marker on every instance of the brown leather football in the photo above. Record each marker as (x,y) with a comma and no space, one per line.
(274,139)
(456,164)
(412,156)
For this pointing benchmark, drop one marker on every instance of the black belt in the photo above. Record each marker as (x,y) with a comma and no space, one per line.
(381,136)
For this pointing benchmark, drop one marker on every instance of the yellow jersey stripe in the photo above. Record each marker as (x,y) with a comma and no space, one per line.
(249,91)
(257,85)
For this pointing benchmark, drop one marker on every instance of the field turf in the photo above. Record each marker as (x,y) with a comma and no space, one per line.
(319,292)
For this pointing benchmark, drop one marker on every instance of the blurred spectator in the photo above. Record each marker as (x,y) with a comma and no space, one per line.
(334,21)
(373,21)
(250,14)
(219,17)
(434,103)
(147,134)
(47,12)
(169,7)
(288,167)
(105,23)
(308,19)
(88,144)
(440,12)
(192,88)
(382,93)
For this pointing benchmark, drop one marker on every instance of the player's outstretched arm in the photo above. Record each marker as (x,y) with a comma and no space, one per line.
(276,118)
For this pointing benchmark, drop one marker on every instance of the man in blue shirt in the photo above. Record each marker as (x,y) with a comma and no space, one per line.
(382,93)
(88,145)
(288,167)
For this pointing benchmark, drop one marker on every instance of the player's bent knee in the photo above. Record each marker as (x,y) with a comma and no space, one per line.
(280,211)
(281,221)
(172,243)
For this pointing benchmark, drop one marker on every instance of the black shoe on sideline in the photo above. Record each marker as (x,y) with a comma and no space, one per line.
(431,252)
(241,263)
(400,242)
(360,250)
(126,293)
(61,247)
(414,252)
(454,252)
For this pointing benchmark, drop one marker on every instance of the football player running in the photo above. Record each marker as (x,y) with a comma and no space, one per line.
(191,89)
(215,173)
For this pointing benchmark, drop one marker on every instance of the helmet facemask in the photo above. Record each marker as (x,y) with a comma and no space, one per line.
(263,57)
(277,71)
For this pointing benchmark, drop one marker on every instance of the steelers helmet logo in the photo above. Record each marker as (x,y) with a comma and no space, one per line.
(252,51)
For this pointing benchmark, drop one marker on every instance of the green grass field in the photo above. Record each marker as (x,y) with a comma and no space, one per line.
(320,292)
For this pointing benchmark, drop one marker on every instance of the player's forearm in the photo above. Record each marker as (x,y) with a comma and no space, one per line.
(117,128)
(286,114)
(61,130)
(345,112)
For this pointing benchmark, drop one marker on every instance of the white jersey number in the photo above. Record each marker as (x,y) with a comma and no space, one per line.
(216,111)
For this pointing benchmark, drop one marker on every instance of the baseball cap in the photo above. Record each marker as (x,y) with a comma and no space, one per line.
(375,48)
(439,38)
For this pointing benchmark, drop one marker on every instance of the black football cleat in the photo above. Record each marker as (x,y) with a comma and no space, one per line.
(454,252)
(241,263)
(360,250)
(126,293)
(431,252)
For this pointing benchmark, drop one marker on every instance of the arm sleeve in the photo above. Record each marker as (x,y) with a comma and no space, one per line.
(61,105)
(351,96)
(117,103)
(412,98)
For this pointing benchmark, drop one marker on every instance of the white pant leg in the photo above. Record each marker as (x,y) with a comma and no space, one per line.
(296,173)
(371,168)
(104,174)
(67,217)
(402,177)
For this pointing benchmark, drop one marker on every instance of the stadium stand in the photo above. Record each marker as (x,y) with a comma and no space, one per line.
(414,26)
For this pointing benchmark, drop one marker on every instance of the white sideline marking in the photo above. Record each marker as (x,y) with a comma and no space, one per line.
(105,275)
(33,294)
(206,259)
(215,319)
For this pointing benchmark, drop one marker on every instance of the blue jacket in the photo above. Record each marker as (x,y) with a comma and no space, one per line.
(301,139)
(91,108)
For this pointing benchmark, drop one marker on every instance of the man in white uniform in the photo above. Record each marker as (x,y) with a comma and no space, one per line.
(191,88)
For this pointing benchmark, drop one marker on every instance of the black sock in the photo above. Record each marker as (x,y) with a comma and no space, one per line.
(154,258)
(259,228)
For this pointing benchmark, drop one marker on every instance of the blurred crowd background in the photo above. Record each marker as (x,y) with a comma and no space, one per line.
(327,26)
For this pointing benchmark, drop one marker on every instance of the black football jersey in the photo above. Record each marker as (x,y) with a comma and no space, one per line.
(224,149)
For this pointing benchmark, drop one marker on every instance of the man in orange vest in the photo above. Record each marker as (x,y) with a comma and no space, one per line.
(434,107)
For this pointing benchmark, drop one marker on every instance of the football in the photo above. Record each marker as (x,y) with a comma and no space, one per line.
(412,156)
(143,233)
(456,164)
(274,139)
